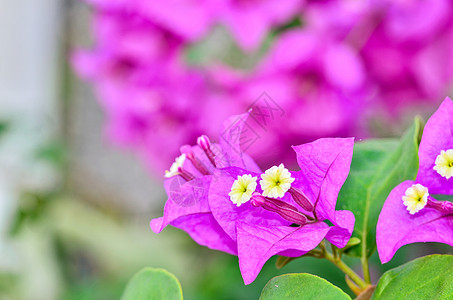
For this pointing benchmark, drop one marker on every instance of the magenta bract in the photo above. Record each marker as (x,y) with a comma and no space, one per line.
(260,233)
(396,226)
(437,136)
(187,206)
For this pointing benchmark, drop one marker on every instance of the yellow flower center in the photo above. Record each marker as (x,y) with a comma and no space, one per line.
(415,198)
(444,163)
(276,181)
(242,189)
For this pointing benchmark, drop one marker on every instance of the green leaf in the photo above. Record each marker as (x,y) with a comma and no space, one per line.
(351,243)
(378,166)
(149,284)
(303,287)
(429,277)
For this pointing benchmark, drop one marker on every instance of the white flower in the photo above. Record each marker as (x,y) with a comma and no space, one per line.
(444,163)
(276,181)
(415,198)
(242,189)
(179,161)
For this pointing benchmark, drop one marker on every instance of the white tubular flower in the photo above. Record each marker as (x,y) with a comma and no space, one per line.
(415,198)
(276,181)
(179,161)
(242,189)
(444,163)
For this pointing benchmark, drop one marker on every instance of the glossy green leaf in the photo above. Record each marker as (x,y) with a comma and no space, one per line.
(377,167)
(303,287)
(153,284)
(429,277)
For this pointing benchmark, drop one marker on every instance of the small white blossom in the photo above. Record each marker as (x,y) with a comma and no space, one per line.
(444,163)
(415,198)
(242,189)
(276,181)
(179,161)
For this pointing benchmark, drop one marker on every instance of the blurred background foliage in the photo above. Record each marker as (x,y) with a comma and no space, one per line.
(74,210)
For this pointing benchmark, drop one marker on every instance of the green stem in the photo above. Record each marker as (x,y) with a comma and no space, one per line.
(342,266)
(346,269)
(365,269)
(335,252)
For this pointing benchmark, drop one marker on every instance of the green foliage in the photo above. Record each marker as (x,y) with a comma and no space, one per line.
(149,284)
(301,286)
(53,152)
(4,126)
(31,207)
(429,277)
(377,167)
(222,280)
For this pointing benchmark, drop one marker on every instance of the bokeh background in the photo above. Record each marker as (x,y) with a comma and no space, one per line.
(97,97)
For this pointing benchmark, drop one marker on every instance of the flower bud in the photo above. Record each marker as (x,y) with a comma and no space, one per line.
(205,144)
(187,150)
(300,198)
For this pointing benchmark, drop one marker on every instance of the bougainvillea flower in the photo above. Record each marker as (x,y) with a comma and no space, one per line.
(327,78)
(410,214)
(188,181)
(189,19)
(290,220)
(436,151)
(250,21)
(313,79)
(418,49)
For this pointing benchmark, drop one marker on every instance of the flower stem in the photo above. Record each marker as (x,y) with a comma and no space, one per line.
(365,269)
(347,270)
(335,252)
(343,267)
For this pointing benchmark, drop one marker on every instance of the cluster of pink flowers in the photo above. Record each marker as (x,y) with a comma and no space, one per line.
(326,65)
(213,195)
(224,201)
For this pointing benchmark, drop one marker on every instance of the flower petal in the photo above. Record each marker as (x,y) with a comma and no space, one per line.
(256,244)
(343,67)
(205,230)
(247,27)
(235,131)
(325,164)
(437,136)
(341,232)
(227,213)
(292,49)
(184,198)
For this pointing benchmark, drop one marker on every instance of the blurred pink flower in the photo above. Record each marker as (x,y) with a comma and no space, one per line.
(406,46)
(319,79)
(190,19)
(413,38)
(319,84)
(250,21)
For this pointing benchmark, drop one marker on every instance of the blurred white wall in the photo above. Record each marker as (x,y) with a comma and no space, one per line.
(29,49)
(29,80)
(99,171)
(29,83)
